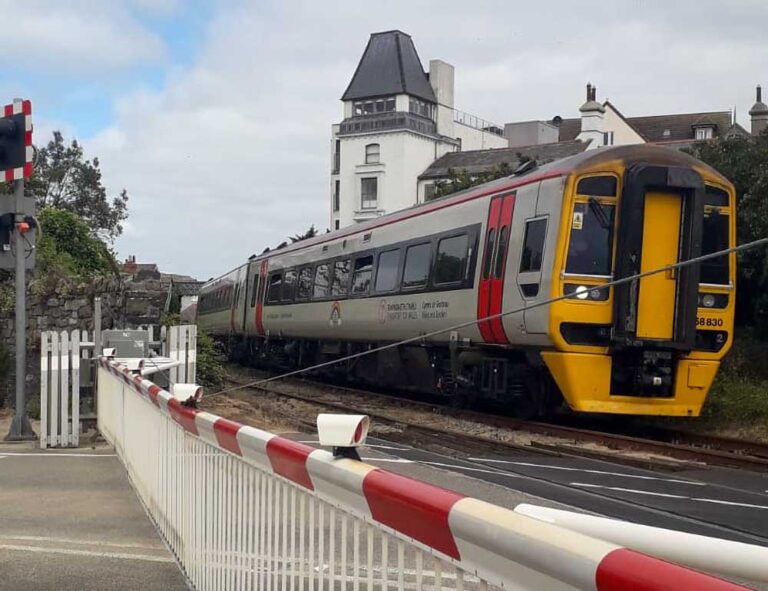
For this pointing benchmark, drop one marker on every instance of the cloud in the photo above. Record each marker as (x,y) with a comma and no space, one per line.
(76,36)
(232,154)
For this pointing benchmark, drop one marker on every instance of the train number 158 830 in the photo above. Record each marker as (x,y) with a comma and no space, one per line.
(709,321)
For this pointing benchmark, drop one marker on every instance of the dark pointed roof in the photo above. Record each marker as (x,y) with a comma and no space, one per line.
(390,65)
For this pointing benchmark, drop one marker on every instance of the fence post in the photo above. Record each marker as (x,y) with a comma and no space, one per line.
(64,389)
(54,391)
(75,349)
(44,378)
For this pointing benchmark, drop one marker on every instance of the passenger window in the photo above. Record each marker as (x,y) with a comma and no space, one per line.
(489,242)
(275,287)
(597,186)
(533,245)
(289,285)
(386,270)
(254,290)
(305,283)
(451,259)
(340,278)
(321,281)
(590,250)
(361,277)
(417,260)
(501,252)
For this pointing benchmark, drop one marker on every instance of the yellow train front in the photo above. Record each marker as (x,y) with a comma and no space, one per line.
(650,346)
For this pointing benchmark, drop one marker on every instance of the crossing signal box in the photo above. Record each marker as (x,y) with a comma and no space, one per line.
(16,141)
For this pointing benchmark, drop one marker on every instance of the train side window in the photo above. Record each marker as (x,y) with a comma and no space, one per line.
(386,270)
(451,259)
(275,288)
(416,268)
(488,256)
(305,284)
(501,252)
(597,186)
(321,281)
(289,285)
(340,283)
(591,244)
(361,276)
(254,290)
(533,245)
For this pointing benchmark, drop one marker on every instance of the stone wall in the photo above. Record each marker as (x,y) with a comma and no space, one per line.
(67,304)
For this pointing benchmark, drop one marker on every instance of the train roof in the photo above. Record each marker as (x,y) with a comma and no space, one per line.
(640,153)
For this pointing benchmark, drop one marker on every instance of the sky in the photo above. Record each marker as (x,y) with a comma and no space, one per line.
(216,115)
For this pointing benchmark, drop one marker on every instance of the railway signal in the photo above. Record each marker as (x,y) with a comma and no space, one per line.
(17,248)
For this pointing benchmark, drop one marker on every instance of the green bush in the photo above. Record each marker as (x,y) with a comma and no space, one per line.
(68,247)
(210,361)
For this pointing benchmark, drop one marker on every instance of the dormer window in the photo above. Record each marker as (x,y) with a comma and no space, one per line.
(703,133)
(373,106)
(423,108)
(372,154)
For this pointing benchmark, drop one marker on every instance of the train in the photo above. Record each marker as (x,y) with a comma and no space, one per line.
(510,292)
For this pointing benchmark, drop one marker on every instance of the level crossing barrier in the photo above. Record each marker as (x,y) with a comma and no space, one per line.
(245,509)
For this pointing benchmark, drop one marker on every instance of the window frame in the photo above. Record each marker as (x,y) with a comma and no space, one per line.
(268,294)
(467,261)
(430,265)
(371,154)
(345,294)
(356,257)
(527,221)
(375,206)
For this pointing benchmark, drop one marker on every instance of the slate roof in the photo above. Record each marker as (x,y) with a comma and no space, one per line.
(652,128)
(477,161)
(390,65)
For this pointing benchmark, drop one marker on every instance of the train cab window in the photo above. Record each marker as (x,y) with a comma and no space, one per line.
(305,284)
(361,276)
(533,245)
(715,238)
(715,196)
(321,281)
(501,252)
(416,268)
(275,289)
(591,243)
(386,270)
(597,186)
(289,285)
(451,259)
(340,283)
(488,256)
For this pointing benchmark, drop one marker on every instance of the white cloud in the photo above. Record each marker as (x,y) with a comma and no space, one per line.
(232,154)
(76,36)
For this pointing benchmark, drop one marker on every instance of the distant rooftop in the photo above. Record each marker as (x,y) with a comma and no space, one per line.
(389,65)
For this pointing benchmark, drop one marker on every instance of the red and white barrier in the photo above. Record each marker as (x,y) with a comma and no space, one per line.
(501,547)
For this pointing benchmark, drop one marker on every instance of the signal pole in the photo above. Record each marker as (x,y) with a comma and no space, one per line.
(21,429)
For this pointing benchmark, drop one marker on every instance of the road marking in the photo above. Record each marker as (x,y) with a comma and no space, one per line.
(588,471)
(389,460)
(119,555)
(81,542)
(57,455)
(373,445)
(656,494)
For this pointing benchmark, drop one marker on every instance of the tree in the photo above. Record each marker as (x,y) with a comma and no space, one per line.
(311,233)
(460,180)
(744,161)
(63,178)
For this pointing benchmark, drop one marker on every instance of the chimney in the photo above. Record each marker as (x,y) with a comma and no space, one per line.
(592,114)
(758,113)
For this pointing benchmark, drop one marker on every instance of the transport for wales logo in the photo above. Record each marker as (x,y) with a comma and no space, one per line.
(335,319)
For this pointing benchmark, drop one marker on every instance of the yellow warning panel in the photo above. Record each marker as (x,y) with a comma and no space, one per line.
(661,245)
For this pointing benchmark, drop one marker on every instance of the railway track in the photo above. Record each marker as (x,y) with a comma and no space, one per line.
(424,422)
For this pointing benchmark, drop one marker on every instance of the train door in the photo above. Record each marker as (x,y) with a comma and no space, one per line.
(260,291)
(661,246)
(491,285)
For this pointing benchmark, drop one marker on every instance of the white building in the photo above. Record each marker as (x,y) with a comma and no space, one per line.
(398,120)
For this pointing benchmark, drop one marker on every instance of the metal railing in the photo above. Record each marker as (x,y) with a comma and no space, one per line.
(234,525)
(476,122)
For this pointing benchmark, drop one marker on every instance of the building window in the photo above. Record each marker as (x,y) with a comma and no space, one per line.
(336,192)
(369,193)
(372,106)
(608,138)
(429,192)
(423,108)
(703,133)
(336,225)
(372,152)
(336,157)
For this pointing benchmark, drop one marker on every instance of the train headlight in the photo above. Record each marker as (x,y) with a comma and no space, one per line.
(708,300)
(581,292)
(595,293)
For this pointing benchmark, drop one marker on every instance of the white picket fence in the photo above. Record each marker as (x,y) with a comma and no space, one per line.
(60,359)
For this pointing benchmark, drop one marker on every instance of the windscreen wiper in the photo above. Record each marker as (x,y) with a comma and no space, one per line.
(599,213)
